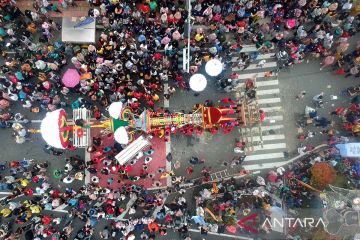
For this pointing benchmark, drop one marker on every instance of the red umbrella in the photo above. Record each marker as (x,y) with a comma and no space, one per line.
(145,8)
(71,78)
(46,220)
(157,56)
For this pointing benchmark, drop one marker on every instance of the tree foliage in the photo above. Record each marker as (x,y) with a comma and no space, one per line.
(322,174)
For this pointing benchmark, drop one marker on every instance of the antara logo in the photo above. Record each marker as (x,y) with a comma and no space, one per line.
(283,222)
(291,222)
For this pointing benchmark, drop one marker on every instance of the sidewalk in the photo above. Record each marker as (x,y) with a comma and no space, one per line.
(80,11)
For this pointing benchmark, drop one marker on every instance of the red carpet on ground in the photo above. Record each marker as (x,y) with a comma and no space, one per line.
(158,160)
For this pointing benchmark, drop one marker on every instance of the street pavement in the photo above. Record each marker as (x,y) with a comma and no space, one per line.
(267,143)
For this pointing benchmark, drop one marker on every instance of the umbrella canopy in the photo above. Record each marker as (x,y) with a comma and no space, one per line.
(141,38)
(115,109)
(19,76)
(153,5)
(165,40)
(51,126)
(214,67)
(213,50)
(198,82)
(71,78)
(121,135)
(145,8)
(176,35)
(40,64)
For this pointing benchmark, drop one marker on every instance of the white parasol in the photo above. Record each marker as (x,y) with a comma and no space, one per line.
(214,67)
(121,136)
(115,109)
(198,82)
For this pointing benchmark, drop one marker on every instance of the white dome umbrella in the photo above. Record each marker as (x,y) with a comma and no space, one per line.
(121,136)
(198,82)
(53,129)
(115,109)
(214,67)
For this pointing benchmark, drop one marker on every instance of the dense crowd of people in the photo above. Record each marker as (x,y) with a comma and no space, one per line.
(136,53)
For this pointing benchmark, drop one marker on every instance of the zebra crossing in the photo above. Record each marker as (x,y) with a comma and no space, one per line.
(270,153)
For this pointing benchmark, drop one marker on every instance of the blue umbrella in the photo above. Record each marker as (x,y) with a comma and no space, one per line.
(19,76)
(141,38)
(22,95)
(58,44)
(199,220)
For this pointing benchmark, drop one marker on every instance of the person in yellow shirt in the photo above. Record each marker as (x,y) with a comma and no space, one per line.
(6,212)
(155,97)
(199,37)
(24,182)
(35,209)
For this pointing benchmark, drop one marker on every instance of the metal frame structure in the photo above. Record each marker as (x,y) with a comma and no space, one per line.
(249,116)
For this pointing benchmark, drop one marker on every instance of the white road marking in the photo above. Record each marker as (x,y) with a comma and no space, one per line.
(268,100)
(264,165)
(267,83)
(259,75)
(259,84)
(270,146)
(276,118)
(271,127)
(254,66)
(267,91)
(249,48)
(269,137)
(260,57)
(272,109)
(256,157)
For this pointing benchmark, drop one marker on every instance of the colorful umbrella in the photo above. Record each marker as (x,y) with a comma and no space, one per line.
(71,78)
(153,5)
(176,35)
(40,64)
(165,40)
(144,8)
(19,76)
(141,38)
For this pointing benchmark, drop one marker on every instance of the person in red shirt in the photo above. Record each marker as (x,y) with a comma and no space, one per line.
(150,103)
(189,170)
